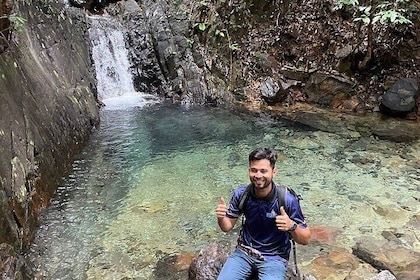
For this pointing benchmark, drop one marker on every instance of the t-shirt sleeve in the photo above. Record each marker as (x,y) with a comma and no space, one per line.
(233,211)
(294,210)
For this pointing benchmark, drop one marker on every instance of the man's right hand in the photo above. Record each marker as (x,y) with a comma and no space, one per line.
(221,209)
(225,223)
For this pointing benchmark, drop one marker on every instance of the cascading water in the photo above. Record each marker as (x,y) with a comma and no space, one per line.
(110,56)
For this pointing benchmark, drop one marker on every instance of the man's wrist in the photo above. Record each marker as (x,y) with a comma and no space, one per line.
(293,227)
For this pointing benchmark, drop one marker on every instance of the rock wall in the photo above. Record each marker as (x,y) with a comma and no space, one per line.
(164,58)
(48,109)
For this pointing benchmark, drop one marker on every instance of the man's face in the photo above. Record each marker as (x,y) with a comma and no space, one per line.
(261,173)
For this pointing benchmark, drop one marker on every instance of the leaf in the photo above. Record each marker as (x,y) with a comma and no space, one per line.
(202,26)
(234,47)
(366,20)
(393,16)
(376,19)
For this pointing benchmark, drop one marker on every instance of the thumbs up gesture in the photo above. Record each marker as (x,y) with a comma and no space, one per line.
(283,222)
(221,209)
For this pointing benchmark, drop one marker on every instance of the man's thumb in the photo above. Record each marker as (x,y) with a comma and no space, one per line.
(282,211)
(222,200)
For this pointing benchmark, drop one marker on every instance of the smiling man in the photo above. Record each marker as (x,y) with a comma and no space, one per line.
(264,241)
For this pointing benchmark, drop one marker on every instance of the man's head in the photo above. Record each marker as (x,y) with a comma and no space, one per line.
(262,167)
(263,153)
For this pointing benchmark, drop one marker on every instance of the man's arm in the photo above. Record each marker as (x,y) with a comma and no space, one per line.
(300,234)
(225,223)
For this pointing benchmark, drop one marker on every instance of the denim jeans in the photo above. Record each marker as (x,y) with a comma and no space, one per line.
(240,266)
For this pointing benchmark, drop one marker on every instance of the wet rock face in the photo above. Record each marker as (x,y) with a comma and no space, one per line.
(161,53)
(48,108)
(8,261)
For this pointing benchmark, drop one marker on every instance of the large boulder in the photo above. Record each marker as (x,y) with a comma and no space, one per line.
(209,262)
(389,255)
(400,99)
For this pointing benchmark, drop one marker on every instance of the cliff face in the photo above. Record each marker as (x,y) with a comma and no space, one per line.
(48,108)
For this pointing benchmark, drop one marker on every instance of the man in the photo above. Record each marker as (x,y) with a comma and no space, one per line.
(263,244)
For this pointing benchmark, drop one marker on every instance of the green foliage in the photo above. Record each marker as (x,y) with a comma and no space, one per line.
(342,3)
(383,12)
(220,33)
(17,21)
(374,12)
(9,23)
(234,47)
(202,26)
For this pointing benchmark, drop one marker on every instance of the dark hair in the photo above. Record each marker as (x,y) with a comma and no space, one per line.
(263,153)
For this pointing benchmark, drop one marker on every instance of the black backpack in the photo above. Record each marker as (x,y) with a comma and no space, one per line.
(281,197)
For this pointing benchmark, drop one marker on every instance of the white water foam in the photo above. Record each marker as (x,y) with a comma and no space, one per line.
(129,101)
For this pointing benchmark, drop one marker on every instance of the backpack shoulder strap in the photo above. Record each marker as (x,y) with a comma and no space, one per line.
(244,197)
(281,195)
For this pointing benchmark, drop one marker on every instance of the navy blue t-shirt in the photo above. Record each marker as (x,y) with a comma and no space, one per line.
(259,229)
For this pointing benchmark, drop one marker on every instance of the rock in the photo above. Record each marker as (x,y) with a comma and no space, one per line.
(335,264)
(12,266)
(401,98)
(389,255)
(48,108)
(130,7)
(322,88)
(384,275)
(209,262)
(173,266)
(293,73)
(269,89)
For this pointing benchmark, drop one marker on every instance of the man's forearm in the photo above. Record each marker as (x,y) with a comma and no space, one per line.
(226,224)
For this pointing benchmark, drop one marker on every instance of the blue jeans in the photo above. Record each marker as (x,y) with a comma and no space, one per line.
(240,266)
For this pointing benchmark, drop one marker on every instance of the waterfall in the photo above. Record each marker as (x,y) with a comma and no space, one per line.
(112,67)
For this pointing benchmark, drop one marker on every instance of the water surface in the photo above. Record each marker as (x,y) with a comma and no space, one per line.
(147,184)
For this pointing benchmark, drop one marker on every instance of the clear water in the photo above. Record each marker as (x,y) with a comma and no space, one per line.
(148,183)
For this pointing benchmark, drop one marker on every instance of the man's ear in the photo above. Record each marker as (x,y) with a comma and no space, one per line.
(274,171)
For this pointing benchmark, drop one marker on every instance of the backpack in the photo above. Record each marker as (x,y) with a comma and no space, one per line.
(281,198)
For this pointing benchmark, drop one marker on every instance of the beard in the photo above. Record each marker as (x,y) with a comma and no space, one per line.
(261,183)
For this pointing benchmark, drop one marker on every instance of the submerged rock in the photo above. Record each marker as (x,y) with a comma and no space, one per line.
(173,266)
